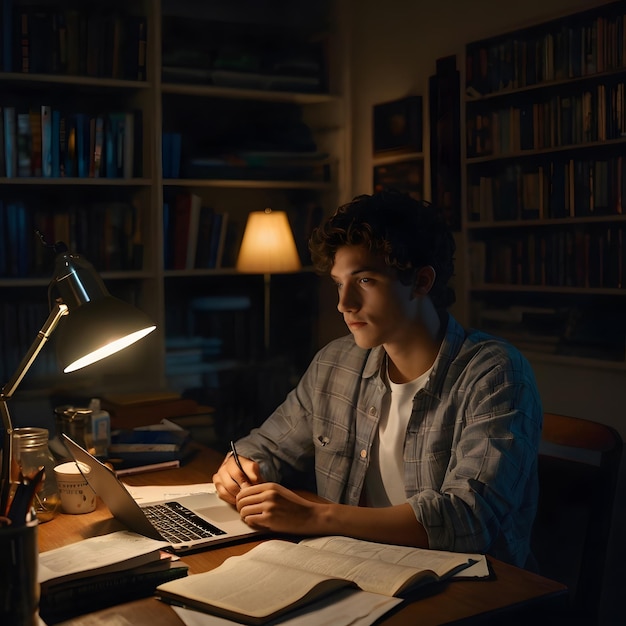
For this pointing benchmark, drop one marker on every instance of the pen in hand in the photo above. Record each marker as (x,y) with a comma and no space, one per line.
(236,457)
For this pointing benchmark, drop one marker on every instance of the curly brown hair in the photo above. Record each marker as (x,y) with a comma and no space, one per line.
(407,233)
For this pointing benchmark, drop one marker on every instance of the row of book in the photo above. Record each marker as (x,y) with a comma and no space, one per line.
(42,141)
(594,256)
(79,40)
(194,233)
(555,189)
(19,324)
(107,233)
(597,114)
(199,236)
(567,49)
(587,330)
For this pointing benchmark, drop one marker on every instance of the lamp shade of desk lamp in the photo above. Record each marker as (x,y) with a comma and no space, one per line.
(97,326)
(267,248)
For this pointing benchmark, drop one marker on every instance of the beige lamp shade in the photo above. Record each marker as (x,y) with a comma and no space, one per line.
(268,246)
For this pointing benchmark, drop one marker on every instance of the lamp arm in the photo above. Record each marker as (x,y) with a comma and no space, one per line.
(43,335)
(8,390)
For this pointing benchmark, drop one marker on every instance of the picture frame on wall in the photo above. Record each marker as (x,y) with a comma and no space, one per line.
(397,126)
(405,175)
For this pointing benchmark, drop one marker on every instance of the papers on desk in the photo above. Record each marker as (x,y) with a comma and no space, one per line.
(347,607)
(97,555)
(158,493)
(102,571)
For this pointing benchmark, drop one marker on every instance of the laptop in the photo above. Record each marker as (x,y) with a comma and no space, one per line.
(186,523)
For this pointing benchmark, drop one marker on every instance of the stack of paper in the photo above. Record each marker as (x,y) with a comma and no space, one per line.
(102,571)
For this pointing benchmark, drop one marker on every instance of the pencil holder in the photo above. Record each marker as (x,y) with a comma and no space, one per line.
(19,585)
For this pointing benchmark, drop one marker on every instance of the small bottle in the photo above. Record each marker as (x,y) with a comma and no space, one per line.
(100,429)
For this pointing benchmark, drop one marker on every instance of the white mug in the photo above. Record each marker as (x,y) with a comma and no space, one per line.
(76,494)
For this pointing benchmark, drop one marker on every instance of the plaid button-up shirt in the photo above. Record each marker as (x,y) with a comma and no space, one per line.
(470,451)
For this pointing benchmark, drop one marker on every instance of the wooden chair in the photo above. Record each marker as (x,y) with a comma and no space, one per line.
(578,469)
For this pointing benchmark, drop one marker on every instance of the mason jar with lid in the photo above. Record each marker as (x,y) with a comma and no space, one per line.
(31,452)
(72,421)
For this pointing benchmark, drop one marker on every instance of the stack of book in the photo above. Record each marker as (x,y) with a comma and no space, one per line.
(161,445)
(102,571)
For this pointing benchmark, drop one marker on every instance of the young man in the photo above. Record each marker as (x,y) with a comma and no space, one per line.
(416,431)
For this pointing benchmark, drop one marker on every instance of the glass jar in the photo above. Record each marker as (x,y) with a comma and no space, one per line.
(74,422)
(30,452)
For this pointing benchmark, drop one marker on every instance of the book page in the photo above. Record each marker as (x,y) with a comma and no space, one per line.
(98,555)
(243,586)
(439,561)
(378,577)
(347,607)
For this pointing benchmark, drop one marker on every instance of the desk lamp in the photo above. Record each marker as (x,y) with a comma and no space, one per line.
(268,248)
(98,326)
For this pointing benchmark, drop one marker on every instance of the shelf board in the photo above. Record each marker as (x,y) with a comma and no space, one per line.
(545,85)
(78,182)
(219,271)
(247,184)
(591,219)
(78,81)
(39,281)
(385,159)
(550,289)
(234,93)
(607,143)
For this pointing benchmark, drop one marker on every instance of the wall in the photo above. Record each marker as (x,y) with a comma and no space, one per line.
(394,48)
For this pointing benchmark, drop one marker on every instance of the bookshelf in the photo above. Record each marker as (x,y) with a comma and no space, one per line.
(545,132)
(214,123)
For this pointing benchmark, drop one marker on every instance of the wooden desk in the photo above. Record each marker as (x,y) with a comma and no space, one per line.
(511,591)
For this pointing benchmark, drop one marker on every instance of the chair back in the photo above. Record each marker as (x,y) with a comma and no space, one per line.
(578,470)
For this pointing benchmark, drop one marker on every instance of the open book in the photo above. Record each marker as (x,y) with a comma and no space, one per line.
(277,576)
(115,552)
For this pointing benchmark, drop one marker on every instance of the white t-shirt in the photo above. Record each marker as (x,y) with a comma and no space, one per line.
(384,481)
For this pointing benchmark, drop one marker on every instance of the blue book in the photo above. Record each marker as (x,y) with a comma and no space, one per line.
(55,146)
(10,142)
(82,145)
(110,158)
(46,141)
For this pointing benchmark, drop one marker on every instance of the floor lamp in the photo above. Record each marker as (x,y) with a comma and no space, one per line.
(97,326)
(268,248)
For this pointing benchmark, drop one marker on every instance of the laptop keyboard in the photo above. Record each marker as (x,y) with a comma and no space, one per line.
(177,524)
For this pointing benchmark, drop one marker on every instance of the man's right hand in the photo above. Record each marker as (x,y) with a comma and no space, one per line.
(229,479)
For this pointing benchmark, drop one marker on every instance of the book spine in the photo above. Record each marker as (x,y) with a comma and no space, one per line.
(36,142)
(91,596)
(24,139)
(46,141)
(3,167)
(55,144)
(7,35)
(10,142)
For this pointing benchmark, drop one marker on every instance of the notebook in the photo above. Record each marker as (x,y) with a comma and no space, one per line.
(186,523)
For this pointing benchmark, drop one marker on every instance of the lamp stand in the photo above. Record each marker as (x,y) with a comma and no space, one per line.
(8,390)
(266,313)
